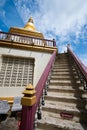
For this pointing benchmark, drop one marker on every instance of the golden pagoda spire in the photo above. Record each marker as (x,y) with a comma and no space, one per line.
(28,30)
(30,25)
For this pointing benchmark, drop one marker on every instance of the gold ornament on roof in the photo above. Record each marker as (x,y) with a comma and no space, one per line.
(30,25)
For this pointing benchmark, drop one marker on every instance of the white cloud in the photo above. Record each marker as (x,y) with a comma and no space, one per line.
(63,48)
(56,18)
(62,14)
(23,11)
(59,16)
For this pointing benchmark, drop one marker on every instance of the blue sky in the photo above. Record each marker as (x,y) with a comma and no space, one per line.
(64,20)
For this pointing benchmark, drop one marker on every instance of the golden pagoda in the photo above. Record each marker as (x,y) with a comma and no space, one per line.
(28,30)
(30,25)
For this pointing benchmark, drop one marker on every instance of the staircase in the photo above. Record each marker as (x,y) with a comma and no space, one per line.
(66,102)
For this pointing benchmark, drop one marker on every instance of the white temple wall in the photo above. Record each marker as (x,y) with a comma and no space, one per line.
(0,61)
(41,60)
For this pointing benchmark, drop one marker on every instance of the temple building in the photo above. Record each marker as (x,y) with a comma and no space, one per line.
(24,54)
(40,88)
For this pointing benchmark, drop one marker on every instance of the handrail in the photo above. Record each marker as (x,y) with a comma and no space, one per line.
(13,37)
(28,114)
(41,83)
(80,65)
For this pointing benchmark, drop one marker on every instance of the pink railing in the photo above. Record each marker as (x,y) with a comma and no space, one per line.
(26,39)
(81,67)
(42,81)
(28,113)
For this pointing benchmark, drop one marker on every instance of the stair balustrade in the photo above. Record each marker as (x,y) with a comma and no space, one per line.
(80,67)
(29,113)
(26,39)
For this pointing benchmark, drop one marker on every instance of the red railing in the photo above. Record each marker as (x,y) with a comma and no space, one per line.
(81,67)
(26,39)
(42,81)
(28,113)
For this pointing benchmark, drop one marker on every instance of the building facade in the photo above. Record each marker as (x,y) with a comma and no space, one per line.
(24,53)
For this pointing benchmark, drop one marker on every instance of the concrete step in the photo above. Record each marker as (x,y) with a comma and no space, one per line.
(59,61)
(71,106)
(63,77)
(64,74)
(62,81)
(65,90)
(60,77)
(65,87)
(65,84)
(64,58)
(77,113)
(60,67)
(61,64)
(52,122)
(61,58)
(64,98)
(66,101)
(61,70)
(38,129)
(65,93)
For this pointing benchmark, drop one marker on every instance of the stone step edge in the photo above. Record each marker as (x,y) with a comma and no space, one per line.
(66,84)
(66,90)
(57,110)
(60,123)
(66,99)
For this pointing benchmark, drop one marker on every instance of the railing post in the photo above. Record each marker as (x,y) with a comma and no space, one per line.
(39,114)
(43,102)
(28,102)
(85,85)
(45,90)
(54,42)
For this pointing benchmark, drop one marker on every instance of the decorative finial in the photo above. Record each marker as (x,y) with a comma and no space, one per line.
(29,98)
(31,20)
(30,25)
(68,44)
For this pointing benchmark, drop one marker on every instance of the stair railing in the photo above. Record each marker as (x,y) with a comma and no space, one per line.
(29,113)
(80,67)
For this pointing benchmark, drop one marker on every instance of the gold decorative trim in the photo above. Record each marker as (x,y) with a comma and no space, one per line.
(5,43)
(9,99)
